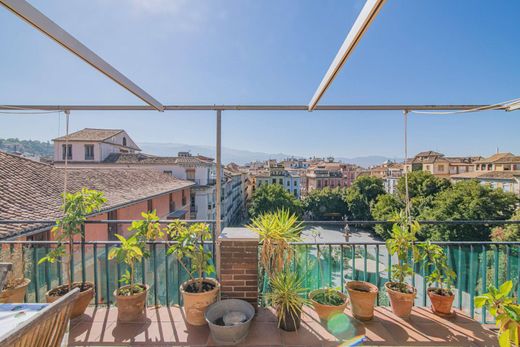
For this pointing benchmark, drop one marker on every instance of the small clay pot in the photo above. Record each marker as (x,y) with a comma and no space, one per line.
(130,308)
(441,304)
(82,301)
(15,295)
(327,311)
(363,297)
(401,303)
(196,303)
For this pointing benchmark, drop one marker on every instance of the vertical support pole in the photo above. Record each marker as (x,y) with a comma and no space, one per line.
(218,222)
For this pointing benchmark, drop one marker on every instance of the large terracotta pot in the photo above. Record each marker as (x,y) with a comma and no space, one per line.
(440,303)
(82,301)
(363,297)
(291,320)
(401,303)
(196,303)
(15,295)
(130,308)
(327,311)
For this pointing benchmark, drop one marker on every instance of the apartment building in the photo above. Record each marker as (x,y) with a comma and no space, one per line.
(128,192)
(439,165)
(330,174)
(276,173)
(389,172)
(501,170)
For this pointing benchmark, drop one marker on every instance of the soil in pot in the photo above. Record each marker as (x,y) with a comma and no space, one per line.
(401,298)
(195,303)
(15,294)
(442,300)
(327,305)
(291,320)
(80,305)
(363,296)
(131,302)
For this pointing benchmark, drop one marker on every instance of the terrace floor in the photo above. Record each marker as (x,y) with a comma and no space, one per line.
(167,327)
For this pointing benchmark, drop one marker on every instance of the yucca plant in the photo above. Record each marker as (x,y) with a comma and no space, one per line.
(287,297)
(276,230)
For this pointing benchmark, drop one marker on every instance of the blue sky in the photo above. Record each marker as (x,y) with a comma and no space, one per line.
(273,52)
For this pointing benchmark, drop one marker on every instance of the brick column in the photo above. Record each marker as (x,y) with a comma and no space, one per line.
(239,264)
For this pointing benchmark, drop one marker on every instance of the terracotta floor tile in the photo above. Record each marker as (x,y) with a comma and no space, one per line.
(87,332)
(189,335)
(165,314)
(263,334)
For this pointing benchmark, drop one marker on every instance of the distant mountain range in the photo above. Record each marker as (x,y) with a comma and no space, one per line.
(243,156)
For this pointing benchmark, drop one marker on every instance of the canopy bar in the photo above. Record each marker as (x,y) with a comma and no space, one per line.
(363,21)
(41,22)
(249,107)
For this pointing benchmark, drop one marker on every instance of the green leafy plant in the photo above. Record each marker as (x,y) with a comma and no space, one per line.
(442,274)
(329,296)
(276,230)
(506,312)
(133,249)
(130,252)
(77,207)
(189,244)
(287,295)
(402,244)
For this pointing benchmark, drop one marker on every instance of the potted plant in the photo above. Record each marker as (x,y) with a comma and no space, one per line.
(401,243)
(199,291)
(76,207)
(16,284)
(287,297)
(506,312)
(328,302)
(131,298)
(363,296)
(442,296)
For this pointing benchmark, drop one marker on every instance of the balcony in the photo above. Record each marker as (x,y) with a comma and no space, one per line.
(476,264)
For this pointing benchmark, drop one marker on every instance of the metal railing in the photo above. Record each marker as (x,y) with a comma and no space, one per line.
(161,271)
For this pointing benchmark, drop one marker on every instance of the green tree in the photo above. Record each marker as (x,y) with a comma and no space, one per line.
(421,184)
(361,195)
(467,200)
(273,197)
(509,232)
(384,209)
(326,203)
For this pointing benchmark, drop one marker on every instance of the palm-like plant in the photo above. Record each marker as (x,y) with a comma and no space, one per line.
(276,231)
(287,295)
(189,244)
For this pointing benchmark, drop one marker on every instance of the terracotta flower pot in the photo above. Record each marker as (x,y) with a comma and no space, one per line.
(130,308)
(440,303)
(291,320)
(401,303)
(15,295)
(362,299)
(327,311)
(196,303)
(81,303)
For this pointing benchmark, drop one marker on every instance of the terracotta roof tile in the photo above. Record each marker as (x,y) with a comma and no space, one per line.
(31,190)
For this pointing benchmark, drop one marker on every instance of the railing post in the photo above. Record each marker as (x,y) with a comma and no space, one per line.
(239,264)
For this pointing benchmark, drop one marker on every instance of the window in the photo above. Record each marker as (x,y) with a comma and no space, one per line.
(172,202)
(149,205)
(190,174)
(67,150)
(43,236)
(274,180)
(183,197)
(440,168)
(89,152)
(295,183)
(280,180)
(168,172)
(124,141)
(112,227)
(288,183)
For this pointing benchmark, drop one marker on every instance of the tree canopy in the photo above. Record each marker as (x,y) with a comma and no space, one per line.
(361,195)
(325,204)
(273,197)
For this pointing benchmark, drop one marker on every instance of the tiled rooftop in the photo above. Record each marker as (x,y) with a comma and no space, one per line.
(22,193)
(167,327)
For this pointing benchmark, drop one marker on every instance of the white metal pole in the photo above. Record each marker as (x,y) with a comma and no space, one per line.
(219,165)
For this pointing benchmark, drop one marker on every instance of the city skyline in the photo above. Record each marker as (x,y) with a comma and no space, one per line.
(455,54)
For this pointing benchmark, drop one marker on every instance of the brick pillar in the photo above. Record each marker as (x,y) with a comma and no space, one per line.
(239,264)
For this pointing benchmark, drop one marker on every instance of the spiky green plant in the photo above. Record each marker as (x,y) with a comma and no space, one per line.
(276,230)
(287,295)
